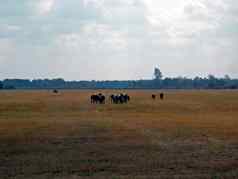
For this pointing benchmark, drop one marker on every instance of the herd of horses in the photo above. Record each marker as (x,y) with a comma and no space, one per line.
(114,98)
(98,98)
(117,98)
(161,96)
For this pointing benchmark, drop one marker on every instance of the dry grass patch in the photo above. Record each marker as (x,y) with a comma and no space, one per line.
(191,134)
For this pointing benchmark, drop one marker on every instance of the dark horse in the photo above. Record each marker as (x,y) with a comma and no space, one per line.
(55,91)
(98,99)
(113,98)
(119,98)
(161,96)
(153,96)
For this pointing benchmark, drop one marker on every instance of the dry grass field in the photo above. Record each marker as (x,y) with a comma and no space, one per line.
(191,134)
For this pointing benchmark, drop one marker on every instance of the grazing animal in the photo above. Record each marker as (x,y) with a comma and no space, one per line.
(94,98)
(153,96)
(161,96)
(119,98)
(55,91)
(114,99)
(101,98)
(128,98)
(98,99)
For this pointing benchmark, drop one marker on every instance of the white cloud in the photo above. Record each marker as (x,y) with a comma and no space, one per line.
(44,6)
(184,37)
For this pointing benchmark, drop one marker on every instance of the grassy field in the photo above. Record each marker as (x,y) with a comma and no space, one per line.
(191,134)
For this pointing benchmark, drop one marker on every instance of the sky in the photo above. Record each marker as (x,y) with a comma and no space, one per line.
(118,39)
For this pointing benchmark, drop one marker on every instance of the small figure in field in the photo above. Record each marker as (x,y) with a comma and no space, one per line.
(128,97)
(161,96)
(101,98)
(94,99)
(112,98)
(55,91)
(119,98)
(98,98)
(153,96)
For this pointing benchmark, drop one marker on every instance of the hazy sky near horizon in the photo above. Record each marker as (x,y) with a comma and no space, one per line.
(117,39)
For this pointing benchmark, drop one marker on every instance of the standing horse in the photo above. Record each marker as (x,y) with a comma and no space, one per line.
(153,96)
(101,98)
(161,96)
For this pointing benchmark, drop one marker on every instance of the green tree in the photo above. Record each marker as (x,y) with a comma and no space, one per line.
(157,74)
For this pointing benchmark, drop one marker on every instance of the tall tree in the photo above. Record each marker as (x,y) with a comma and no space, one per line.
(157,74)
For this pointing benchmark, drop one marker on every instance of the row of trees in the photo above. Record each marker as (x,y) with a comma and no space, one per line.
(210,82)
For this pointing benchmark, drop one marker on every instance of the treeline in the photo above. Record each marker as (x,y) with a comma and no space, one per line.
(210,82)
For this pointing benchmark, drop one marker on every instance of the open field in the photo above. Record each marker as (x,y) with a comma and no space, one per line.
(191,134)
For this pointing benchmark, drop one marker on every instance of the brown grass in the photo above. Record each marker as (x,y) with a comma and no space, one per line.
(191,134)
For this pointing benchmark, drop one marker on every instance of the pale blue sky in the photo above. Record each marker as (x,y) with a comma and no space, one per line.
(117,39)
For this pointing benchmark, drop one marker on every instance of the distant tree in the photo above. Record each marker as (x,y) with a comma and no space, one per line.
(211,81)
(17,83)
(158,82)
(157,74)
(211,77)
(227,77)
(1,85)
